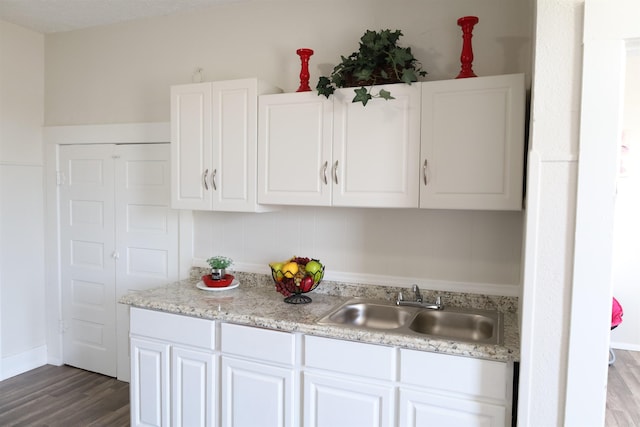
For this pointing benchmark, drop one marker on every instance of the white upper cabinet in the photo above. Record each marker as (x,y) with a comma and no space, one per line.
(472,149)
(294,149)
(314,151)
(214,143)
(375,148)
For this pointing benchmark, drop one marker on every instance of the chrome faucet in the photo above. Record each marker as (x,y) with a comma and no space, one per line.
(437,305)
(416,291)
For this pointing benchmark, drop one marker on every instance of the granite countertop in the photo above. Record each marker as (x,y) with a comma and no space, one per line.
(256,303)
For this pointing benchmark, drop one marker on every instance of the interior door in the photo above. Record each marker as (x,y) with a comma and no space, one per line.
(118,234)
(87,246)
(146,230)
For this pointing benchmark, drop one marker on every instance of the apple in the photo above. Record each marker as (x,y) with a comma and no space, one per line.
(313,267)
(306,283)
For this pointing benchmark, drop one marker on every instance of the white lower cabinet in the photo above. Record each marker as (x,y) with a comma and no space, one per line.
(259,377)
(173,370)
(348,383)
(256,394)
(149,385)
(418,408)
(336,401)
(259,386)
(192,387)
(439,389)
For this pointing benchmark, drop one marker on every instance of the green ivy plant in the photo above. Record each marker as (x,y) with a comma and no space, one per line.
(378,61)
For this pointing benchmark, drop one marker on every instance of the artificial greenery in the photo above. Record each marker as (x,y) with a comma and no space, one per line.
(378,61)
(219,262)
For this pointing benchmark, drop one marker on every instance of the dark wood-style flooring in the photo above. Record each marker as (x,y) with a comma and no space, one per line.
(55,396)
(52,396)
(623,390)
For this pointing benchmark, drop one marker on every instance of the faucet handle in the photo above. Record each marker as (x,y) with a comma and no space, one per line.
(399,298)
(416,291)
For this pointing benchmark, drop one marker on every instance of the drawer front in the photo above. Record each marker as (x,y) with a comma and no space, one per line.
(367,360)
(454,373)
(257,343)
(174,328)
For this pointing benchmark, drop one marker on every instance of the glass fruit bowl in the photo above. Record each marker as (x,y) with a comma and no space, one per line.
(297,276)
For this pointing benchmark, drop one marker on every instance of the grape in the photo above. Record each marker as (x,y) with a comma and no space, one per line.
(301,260)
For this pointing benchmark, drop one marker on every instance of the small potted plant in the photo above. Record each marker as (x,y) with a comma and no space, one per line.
(378,61)
(218,265)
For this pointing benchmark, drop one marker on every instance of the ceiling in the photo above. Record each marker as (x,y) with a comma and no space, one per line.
(51,16)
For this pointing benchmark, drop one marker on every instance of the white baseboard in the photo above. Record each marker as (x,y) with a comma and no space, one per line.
(23,362)
(624,346)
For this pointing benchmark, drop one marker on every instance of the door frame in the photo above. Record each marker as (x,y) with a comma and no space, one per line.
(609,29)
(53,137)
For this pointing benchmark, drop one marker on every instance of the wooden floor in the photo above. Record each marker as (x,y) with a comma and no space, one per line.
(63,396)
(623,390)
(52,396)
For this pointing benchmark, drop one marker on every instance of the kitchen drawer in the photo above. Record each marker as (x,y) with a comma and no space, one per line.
(174,328)
(456,374)
(348,357)
(257,343)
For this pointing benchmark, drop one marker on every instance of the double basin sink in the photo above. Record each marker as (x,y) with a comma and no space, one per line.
(450,323)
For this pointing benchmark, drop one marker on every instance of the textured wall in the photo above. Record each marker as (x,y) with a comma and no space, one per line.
(22,305)
(122,73)
(550,219)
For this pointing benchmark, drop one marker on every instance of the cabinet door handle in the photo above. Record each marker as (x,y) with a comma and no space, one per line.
(204,179)
(424,172)
(213,179)
(324,172)
(335,172)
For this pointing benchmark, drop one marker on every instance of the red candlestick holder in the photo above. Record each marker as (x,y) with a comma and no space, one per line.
(466,57)
(304,54)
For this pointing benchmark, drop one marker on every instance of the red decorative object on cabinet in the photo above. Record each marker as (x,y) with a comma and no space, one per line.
(466,57)
(304,54)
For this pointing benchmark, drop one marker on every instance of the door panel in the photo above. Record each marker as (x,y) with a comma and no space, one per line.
(146,229)
(87,243)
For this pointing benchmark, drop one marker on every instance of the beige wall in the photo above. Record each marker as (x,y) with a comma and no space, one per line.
(122,73)
(21,95)
(22,303)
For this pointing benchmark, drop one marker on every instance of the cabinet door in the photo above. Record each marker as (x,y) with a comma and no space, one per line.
(294,149)
(234,140)
(191,154)
(256,394)
(149,383)
(473,143)
(423,409)
(376,148)
(334,401)
(192,388)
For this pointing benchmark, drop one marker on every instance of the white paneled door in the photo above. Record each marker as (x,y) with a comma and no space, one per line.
(118,234)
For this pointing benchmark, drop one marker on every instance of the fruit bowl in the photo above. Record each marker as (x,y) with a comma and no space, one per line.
(297,276)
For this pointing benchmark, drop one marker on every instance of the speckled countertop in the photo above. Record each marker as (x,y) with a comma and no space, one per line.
(256,303)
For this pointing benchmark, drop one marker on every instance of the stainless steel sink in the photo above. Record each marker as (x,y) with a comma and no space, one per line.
(370,314)
(464,325)
(477,326)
